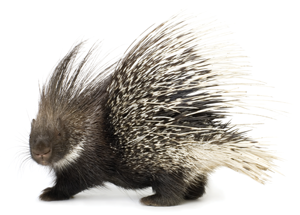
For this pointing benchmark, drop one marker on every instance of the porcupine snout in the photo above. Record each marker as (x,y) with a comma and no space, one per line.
(41,151)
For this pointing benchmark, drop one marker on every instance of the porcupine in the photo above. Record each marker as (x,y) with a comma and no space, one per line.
(157,119)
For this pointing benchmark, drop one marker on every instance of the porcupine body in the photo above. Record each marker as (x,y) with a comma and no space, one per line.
(157,119)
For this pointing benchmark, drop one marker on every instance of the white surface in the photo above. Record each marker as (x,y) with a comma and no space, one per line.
(35,35)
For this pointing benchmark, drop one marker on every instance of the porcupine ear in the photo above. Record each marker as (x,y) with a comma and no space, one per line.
(32,122)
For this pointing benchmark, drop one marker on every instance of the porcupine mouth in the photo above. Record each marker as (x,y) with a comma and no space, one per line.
(42,158)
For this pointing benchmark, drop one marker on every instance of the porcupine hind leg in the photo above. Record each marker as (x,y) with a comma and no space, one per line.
(196,189)
(169,191)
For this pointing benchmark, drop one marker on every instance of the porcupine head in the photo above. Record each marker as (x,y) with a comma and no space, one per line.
(156,120)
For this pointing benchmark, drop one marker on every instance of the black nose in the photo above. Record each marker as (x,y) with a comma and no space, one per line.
(41,152)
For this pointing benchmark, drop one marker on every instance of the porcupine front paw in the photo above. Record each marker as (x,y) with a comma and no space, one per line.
(49,194)
(159,200)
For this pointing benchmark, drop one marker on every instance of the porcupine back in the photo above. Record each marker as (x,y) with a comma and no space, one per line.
(168,102)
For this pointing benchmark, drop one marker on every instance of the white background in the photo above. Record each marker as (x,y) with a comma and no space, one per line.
(35,35)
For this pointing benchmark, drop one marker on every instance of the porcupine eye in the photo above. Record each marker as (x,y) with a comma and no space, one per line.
(60,128)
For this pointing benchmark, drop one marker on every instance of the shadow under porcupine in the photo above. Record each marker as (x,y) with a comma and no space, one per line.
(157,119)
